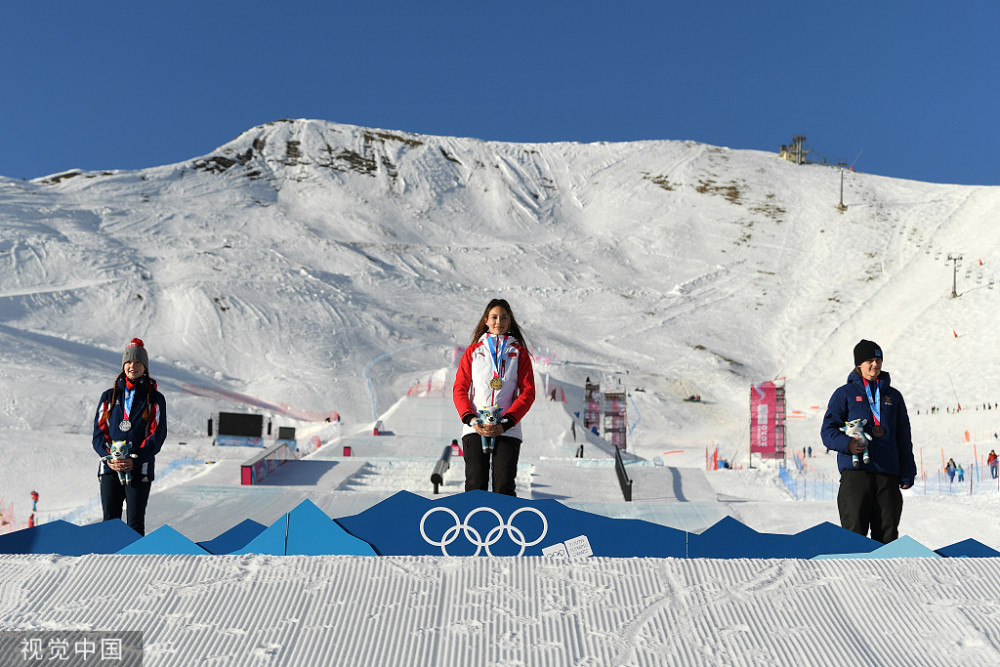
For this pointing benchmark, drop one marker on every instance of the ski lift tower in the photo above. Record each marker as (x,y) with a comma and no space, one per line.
(955,259)
(841,206)
(795,152)
(797,148)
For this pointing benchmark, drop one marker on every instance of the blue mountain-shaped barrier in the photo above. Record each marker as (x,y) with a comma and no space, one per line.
(476,523)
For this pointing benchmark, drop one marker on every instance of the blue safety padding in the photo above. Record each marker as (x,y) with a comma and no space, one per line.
(313,533)
(969,548)
(904,547)
(235,538)
(163,540)
(105,537)
(67,539)
(56,537)
(306,531)
(829,538)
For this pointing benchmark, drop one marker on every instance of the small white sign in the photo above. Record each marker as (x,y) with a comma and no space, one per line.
(556,551)
(579,547)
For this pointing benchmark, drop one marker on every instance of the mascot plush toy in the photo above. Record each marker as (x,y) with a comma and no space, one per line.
(489,415)
(854,431)
(122,449)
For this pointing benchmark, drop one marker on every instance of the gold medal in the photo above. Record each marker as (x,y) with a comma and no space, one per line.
(496,360)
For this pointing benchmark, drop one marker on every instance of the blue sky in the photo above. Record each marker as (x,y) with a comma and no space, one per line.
(907,89)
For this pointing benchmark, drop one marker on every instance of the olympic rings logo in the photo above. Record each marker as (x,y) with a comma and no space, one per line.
(475,537)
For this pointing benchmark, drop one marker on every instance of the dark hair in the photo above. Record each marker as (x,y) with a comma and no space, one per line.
(514,329)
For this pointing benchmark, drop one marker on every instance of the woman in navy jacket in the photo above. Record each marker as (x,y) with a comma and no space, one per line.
(132,410)
(869,496)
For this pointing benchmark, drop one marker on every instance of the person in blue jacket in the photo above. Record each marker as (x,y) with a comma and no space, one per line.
(132,410)
(869,496)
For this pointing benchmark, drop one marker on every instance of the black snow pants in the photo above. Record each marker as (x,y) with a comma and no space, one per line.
(870,500)
(135,498)
(477,464)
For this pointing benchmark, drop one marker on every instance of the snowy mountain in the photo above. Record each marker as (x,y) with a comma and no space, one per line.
(327,266)
(309,267)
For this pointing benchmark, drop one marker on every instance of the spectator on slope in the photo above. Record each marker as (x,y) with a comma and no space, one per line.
(950,469)
(869,496)
(991,461)
(134,411)
(495,369)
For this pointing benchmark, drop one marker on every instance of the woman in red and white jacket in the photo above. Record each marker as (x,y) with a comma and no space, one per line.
(494,370)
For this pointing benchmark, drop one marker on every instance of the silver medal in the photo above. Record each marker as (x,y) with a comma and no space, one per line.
(125,425)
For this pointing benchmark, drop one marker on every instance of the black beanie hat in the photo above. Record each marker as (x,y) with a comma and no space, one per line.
(865,350)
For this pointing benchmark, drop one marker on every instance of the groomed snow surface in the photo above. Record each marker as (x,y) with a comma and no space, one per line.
(346,610)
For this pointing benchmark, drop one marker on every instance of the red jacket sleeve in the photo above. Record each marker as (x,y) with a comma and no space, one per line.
(526,387)
(463,384)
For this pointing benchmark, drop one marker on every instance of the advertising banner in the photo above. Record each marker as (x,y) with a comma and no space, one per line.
(763,412)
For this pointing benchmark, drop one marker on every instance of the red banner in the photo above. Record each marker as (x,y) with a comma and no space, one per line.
(763,409)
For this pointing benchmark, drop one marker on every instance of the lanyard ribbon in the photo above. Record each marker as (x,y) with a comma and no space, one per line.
(496,355)
(127,403)
(876,403)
